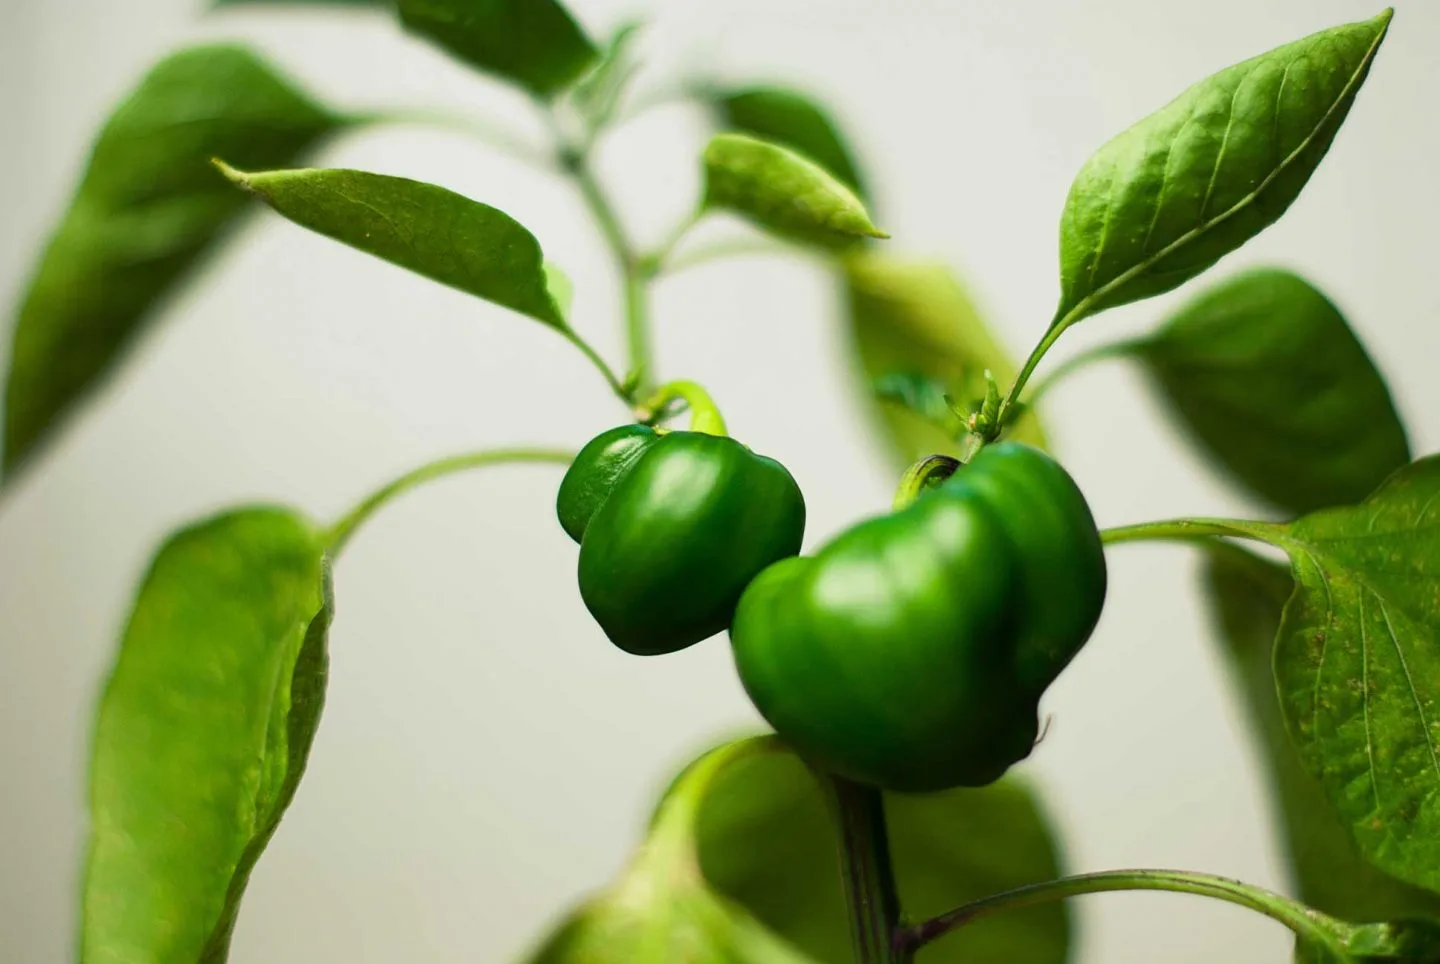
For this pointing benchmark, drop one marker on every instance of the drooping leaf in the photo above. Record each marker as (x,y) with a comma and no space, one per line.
(533,43)
(791,119)
(915,319)
(1197,179)
(783,192)
(1273,384)
(434,232)
(1247,595)
(661,910)
(147,209)
(1358,670)
(767,842)
(203,733)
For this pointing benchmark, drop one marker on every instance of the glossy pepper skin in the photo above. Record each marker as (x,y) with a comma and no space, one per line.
(911,651)
(672,527)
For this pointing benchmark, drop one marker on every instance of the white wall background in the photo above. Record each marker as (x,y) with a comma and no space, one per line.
(486,757)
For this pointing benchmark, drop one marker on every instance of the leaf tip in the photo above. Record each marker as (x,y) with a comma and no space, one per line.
(235,176)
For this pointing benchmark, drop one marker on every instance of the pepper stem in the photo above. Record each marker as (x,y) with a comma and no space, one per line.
(704,416)
(923,476)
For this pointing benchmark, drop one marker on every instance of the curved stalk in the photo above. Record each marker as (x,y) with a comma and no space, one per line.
(704,414)
(1303,921)
(341,532)
(1102,352)
(586,349)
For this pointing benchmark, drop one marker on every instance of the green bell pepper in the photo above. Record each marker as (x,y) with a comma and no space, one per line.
(911,651)
(673,525)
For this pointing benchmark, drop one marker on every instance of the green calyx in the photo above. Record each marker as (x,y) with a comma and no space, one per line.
(911,652)
(672,526)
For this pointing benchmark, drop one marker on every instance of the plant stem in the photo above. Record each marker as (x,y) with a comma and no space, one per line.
(341,532)
(1114,349)
(704,415)
(1305,922)
(507,142)
(604,368)
(872,898)
(730,248)
(1195,530)
(628,262)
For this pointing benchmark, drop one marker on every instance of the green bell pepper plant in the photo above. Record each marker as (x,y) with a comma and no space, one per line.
(902,663)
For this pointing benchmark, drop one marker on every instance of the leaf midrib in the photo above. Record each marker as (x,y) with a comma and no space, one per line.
(1083,307)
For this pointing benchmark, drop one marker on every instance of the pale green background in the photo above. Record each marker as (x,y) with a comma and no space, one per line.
(486,756)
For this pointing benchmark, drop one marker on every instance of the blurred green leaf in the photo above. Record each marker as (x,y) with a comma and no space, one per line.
(434,232)
(1184,187)
(767,842)
(203,733)
(791,119)
(914,319)
(301,3)
(533,43)
(1247,595)
(147,209)
(598,94)
(1265,373)
(783,192)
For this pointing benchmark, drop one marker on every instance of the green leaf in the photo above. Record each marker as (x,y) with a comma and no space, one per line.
(1273,384)
(147,209)
(203,733)
(783,192)
(661,910)
(1197,179)
(533,43)
(790,119)
(914,319)
(767,842)
(1247,595)
(1358,670)
(434,232)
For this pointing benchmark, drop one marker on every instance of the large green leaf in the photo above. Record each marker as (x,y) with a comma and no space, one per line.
(434,232)
(662,910)
(783,192)
(1268,377)
(1358,669)
(793,120)
(203,733)
(1192,182)
(914,319)
(1247,595)
(767,842)
(149,206)
(533,43)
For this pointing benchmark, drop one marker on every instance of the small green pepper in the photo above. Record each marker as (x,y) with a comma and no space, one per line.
(673,525)
(911,652)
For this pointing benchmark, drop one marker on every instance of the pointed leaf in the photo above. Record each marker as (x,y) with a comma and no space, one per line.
(767,842)
(783,192)
(203,733)
(790,119)
(148,208)
(1273,384)
(533,43)
(914,319)
(1197,179)
(1247,595)
(434,232)
(1358,670)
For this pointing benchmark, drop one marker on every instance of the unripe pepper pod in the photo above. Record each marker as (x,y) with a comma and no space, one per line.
(911,651)
(672,527)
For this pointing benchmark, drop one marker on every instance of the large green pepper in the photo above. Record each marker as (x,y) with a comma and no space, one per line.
(672,526)
(912,650)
